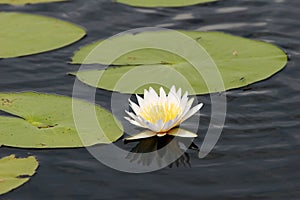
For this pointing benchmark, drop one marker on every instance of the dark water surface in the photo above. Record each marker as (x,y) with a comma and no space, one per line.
(257,156)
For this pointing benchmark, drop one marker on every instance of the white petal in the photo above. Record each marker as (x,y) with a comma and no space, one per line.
(162,95)
(167,125)
(173,89)
(172,97)
(172,123)
(185,96)
(150,126)
(183,101)
(179,93)
(140,101)
(159,124)
(152,96)
(136,118)
(134,122)
(179,132)
(146,97)
(132,115)
(145,93)
(141,120)
(153,93)
(134,107)
(161,134)
(187,107)
(192,111)
(144,134)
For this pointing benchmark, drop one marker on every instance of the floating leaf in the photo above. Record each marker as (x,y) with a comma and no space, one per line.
(47,121)
(240,62)
(164,3)
(23,2)
(14,172)
(25,34)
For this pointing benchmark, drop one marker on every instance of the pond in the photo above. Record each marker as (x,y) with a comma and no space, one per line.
(257,155)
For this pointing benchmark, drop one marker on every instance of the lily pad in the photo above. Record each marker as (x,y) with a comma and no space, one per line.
(14,172)
(25,34)
(47,121)
(23,2)
(160,3)
(240,62)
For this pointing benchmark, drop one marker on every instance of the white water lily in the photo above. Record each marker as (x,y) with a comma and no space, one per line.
(160,113)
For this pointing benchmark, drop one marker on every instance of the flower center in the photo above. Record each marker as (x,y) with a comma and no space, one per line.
(164,112)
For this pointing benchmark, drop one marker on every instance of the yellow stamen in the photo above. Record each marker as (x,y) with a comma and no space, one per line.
(163,111)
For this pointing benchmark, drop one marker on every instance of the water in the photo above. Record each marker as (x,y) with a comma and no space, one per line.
(257,156)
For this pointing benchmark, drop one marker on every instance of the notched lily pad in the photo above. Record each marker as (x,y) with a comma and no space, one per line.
(47,121)
(240,62)
(164,3)
(14,172)
(25,34)
(23,2)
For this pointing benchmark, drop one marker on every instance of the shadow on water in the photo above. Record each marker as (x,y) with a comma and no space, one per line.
(166,148)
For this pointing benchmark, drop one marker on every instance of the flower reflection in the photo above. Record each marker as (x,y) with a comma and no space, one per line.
(167,149)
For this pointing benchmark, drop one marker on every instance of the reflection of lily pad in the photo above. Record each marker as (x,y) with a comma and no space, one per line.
(240,62)
(46,121)
(14,172)
(23,2)
(25,34)
(162,3)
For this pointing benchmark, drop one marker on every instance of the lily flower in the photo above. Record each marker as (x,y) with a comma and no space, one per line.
(161,113)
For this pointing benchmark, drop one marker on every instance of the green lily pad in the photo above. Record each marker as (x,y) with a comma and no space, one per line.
(25,34)
(14,172)
(23,2)
(160,3)
(240,62)
(47,121)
